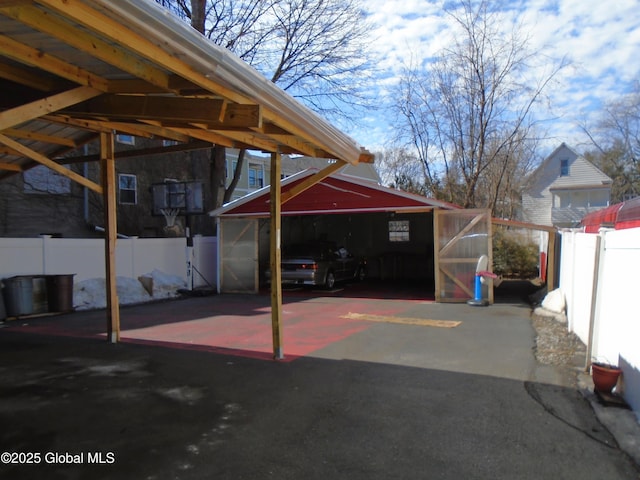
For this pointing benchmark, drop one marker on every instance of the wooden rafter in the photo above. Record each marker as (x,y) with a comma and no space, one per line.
(87,42)
(25,77)
(49,163)
(12,167)
(125,40)
(31,56)
(215,114)
(143,152)
(39,137)
(312,180)
(18,115)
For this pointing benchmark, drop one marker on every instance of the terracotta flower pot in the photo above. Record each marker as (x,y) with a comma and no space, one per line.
(605,377)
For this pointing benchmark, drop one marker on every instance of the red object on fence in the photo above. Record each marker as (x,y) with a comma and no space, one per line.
(619,216)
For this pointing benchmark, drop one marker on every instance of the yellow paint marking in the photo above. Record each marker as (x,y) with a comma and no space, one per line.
(402,320)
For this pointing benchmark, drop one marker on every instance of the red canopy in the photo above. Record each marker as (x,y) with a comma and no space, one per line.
(601,218)
(619,216)
(629,214)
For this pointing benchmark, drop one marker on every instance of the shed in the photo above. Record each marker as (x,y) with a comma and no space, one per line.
(397,232)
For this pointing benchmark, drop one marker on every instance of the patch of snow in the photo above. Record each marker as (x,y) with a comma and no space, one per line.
(91,294)
(163,285)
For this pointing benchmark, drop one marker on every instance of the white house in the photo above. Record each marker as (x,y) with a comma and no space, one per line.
(563,189)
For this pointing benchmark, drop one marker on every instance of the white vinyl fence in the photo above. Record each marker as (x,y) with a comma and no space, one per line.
(599,278)
(86,259)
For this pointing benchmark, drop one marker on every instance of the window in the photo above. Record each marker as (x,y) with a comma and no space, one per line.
(580,199)
(562,199)
(399,230)
(174,193)
(126,139)
(564,167)
(41,179)
(599,198)
(127,185)
(256,176)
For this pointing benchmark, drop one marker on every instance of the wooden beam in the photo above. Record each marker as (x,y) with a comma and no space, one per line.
(88,42)
(12,167)
(517,224)
(275,256)
(207,136)
(43,61)
(366,156)
(9,151)
(89,125)
(312,180)
(130,42)
(214,113)
(249,138)
(157,131)
(108,172)
(49,163)
(472,223)
(185,147)
(18,115)
(39,137)
(23,76)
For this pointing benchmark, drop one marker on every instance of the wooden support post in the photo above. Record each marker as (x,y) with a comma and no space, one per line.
(108,172)
(275,255)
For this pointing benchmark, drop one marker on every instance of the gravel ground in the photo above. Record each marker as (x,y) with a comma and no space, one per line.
(555,345)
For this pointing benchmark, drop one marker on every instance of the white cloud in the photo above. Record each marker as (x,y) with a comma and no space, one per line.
(602,40)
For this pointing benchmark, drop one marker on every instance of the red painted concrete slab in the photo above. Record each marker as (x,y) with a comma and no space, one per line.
(233,325)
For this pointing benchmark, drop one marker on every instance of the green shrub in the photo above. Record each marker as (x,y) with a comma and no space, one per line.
(513,258)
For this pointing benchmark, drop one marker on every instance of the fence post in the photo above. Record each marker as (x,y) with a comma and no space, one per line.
(46,251)
(593,328)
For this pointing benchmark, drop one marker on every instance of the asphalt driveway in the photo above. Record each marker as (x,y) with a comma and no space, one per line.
(377,388)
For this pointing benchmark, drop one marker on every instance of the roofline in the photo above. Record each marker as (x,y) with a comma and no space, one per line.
(591,186)
(339,212)
(428,202)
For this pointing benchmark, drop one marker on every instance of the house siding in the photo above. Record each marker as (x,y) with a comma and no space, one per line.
(537,200)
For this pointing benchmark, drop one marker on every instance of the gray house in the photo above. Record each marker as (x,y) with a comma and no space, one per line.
(563,189)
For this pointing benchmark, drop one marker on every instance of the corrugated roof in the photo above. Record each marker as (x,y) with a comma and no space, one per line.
(619,216)
(71,69)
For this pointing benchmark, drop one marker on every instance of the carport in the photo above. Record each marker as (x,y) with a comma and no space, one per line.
(77,71)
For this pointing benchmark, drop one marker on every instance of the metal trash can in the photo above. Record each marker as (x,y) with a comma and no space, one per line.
(18,295)
(60,292)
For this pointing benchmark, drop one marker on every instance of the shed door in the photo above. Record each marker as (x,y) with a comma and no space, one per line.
(461,238)
(239,256)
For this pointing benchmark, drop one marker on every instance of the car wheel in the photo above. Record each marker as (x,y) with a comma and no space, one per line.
(330,281)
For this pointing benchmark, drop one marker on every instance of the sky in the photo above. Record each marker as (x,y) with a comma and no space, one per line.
(600,39)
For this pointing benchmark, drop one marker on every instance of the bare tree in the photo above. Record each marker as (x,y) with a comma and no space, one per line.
(469,112)
(316,50)
(616,144)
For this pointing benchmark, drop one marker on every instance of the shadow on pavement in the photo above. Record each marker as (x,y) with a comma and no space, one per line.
(149,412)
